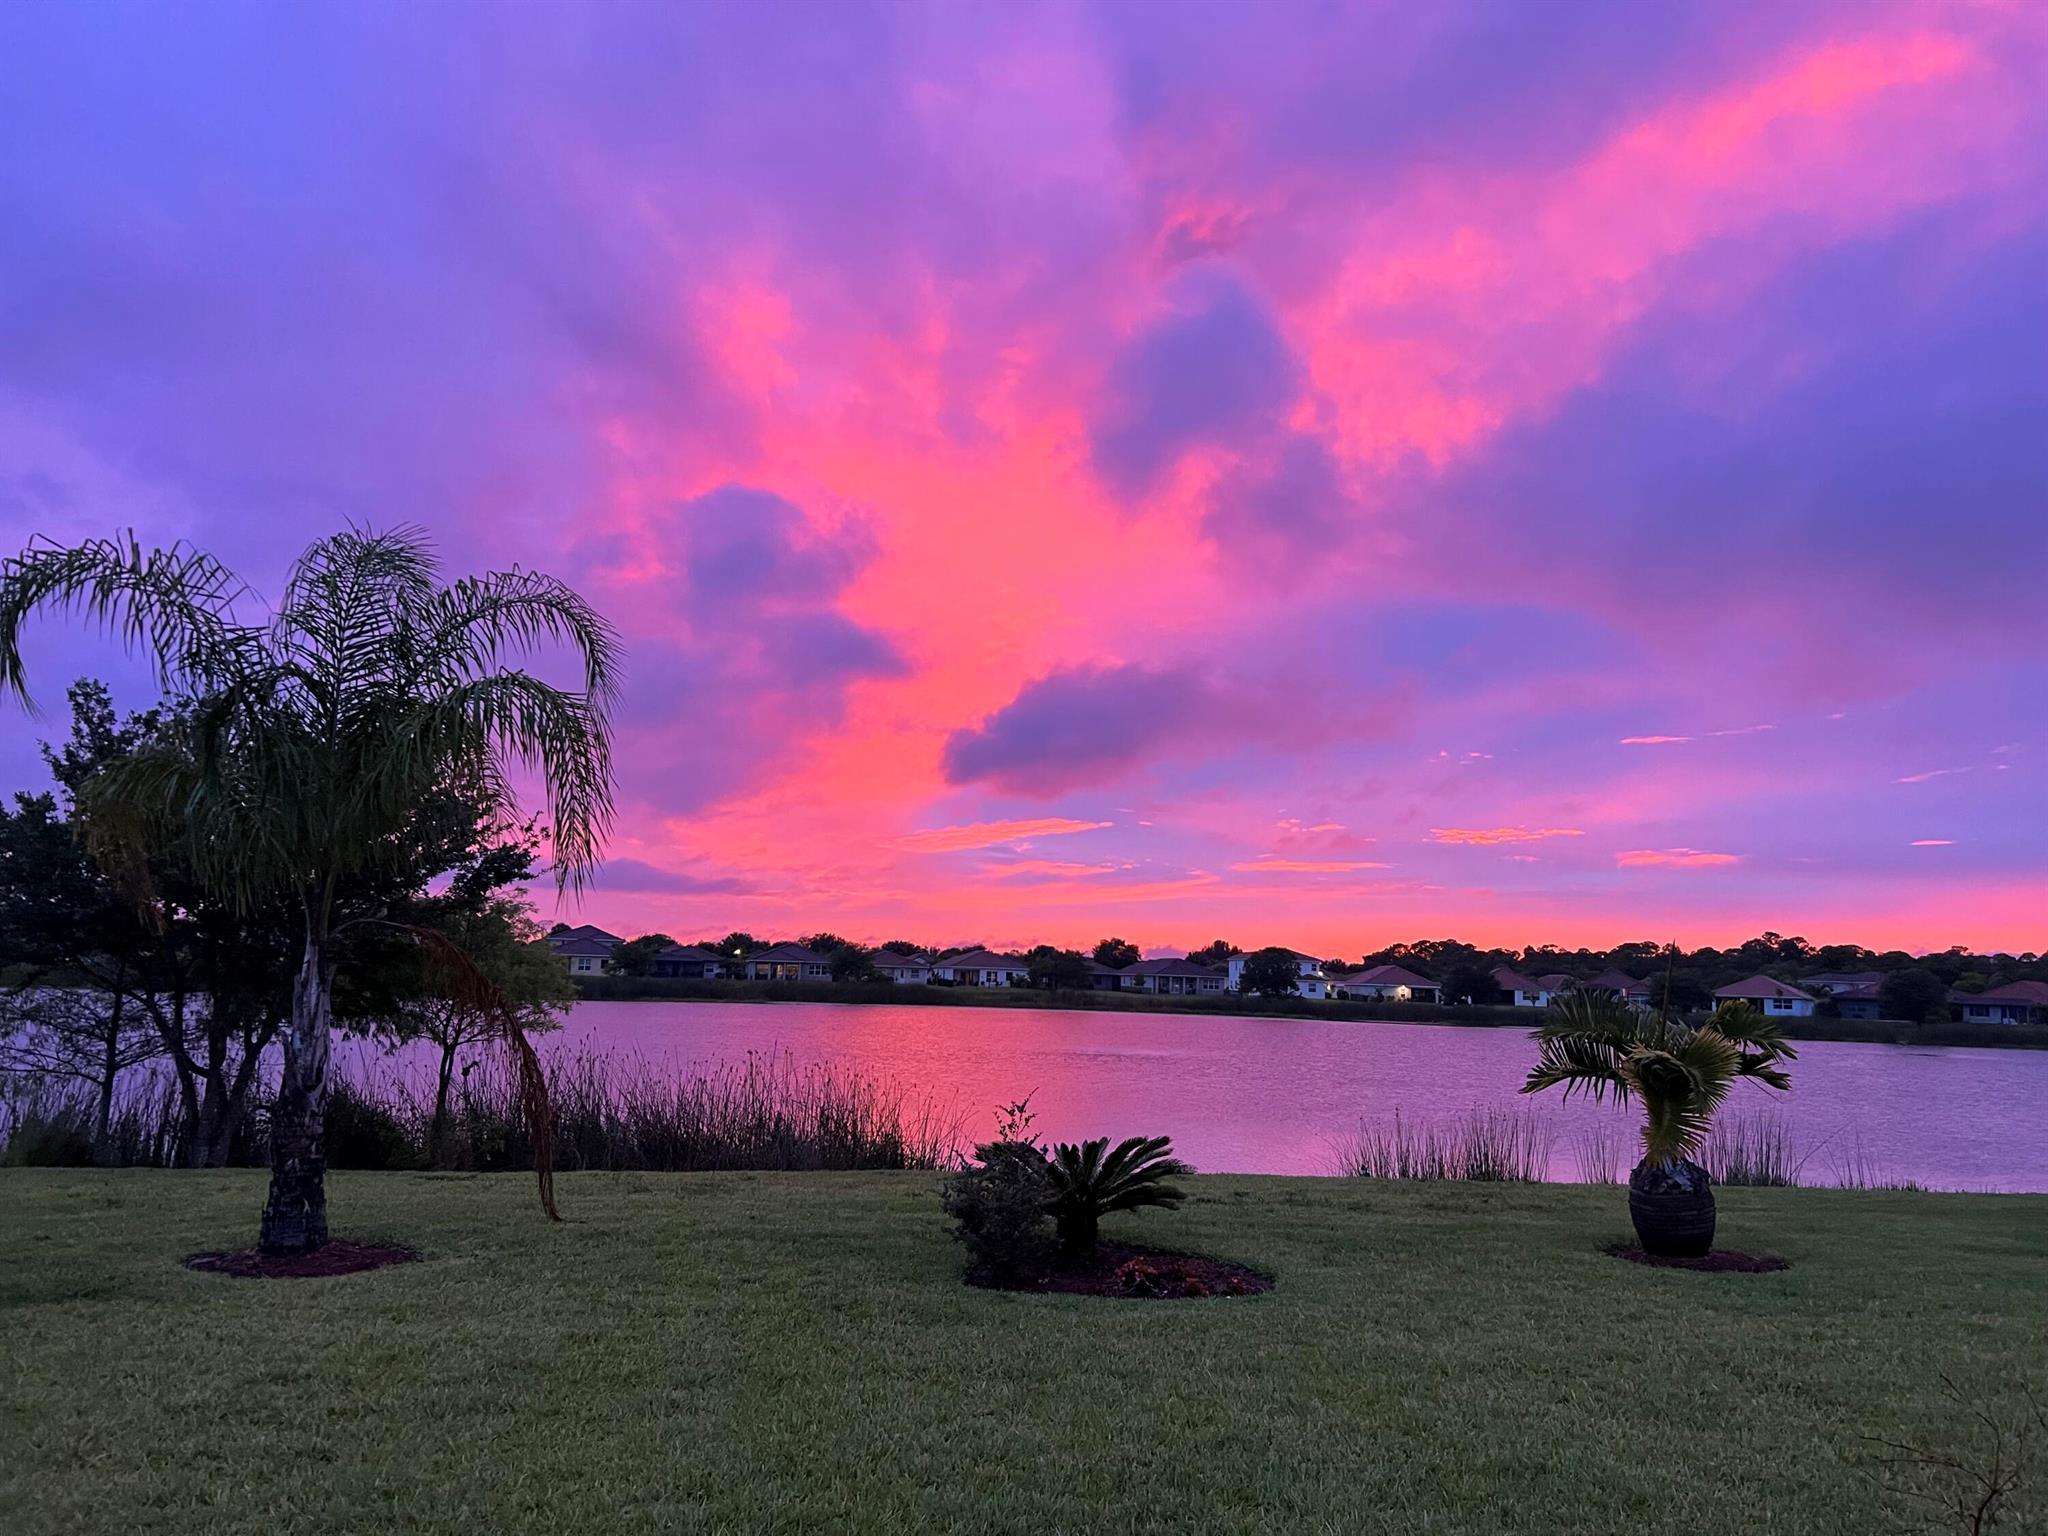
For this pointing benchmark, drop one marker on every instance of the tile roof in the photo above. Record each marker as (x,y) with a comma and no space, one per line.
(1171,965)
(1385,976)
(1508,979)
(787,954)
(1760,987)
(2031,992)
(1616,981)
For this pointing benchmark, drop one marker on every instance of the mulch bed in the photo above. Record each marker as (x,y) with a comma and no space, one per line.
(1125,1272)
(336,1258)
(1722,1261)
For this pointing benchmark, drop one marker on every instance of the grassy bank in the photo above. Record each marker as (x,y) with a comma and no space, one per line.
(684,989)
(783,1352)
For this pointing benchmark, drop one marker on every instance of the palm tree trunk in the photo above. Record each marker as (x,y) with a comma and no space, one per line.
(295,1215)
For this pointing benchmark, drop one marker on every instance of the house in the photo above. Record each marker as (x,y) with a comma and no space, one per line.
(1858,1002)
(909,970)
(1624,986)
(983,968)
(1522,991)
(788,962)
(1308,967)
(583,949)
(1391,983)
(1838,982)
(1556,982)
(1177,977)
(1105,978)
(2017,1002)
(688,960)
(1774,998)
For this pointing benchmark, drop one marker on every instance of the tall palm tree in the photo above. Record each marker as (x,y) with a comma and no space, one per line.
(1598,1044)
(314,737)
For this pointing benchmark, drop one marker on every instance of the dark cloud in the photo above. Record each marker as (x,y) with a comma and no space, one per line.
(635,875)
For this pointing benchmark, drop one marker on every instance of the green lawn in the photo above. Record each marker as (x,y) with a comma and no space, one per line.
(775,1352)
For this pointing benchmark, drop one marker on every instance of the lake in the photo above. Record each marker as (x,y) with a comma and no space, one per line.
(1266,1095)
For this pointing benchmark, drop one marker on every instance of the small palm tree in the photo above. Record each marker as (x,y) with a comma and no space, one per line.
(1596,1043)
(314,738)
(1087,1184)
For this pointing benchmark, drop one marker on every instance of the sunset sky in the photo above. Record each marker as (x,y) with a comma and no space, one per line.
(1302,474)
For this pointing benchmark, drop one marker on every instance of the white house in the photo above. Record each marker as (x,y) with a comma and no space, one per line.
(1178,977)
(1388,983)
(910,970)
(1308,967)
(2017,1002)
(1622,985)
(1774,998)
(688,960)
(788,962)
(1522,991)
(982,968)
(583,949)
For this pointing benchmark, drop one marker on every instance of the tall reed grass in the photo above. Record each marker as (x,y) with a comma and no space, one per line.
(1488,1146)
(1752,1149)
(765,1112)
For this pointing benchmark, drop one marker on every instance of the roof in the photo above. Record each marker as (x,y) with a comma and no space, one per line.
(890,960)
(1097,968)
(1836,981)
(690,952)
(985,959)
(1615,981)
(1297,954)
(1385,976)
(1556,981)
(2034,993)
(579,944)
(1759,987)
(788,954)
(1508,979)
(1171,965)
(585,931)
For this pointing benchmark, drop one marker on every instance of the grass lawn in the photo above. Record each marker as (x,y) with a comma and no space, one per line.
(776,1352)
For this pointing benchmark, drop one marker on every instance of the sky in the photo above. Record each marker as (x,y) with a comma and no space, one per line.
(1296,473)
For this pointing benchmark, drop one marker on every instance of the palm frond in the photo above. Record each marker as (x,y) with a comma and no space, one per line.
(1580,1064)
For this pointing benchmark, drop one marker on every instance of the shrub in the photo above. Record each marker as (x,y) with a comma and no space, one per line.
(1000,1203)
(363,1132)
(46,1128)
(1089,1182)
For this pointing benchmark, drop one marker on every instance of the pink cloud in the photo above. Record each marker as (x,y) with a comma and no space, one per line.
(1676,858)
(988,834)
(1487,837)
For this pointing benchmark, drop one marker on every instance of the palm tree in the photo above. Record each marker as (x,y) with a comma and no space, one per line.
(1598,1044)
(1088,1185)
(315,735)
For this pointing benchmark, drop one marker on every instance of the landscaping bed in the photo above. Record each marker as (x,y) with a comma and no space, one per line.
(1128,1272)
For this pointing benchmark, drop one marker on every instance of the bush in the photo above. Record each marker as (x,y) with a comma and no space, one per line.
(363,1132)
(1001,1203)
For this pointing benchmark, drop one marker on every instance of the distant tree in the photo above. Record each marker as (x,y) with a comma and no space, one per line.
(903,947)
(1470,982)
(636,957)
(850,962)
(1116,953)
(558,928)
(1215,952)
(738,944)
(1054,969)
(1679,992)
(1271,972)
(1915,994)
(826,943)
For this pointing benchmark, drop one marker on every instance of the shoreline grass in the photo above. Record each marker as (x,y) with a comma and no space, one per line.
(785,1352)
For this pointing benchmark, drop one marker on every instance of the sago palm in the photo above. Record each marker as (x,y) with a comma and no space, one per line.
(315,735)
(1090,1181)
(1597,1044)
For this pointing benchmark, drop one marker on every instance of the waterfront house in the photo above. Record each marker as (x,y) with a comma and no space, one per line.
(983,968)
(1859,1002)
(907,970)
(688,960)
(1624,986)
(1176,977)
(1838,982)
(2017,1002)
(1388,983)
(1308,967)
(583,949)
(1105,978)
(788,962)
(1522,991)
(1775,998)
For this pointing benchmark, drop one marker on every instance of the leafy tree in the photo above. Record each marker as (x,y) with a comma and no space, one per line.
(1470,982)
(636,957)
(1679,992)
(1090,1182)
(903,947)
(1053,969)
(737,945)
(827,943)
(1215,952)
(1915,994)
(1116,953)
(850,962)
(316,736)
(1271,972)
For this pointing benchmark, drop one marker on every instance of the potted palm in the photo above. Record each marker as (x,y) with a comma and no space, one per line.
(1595,1043)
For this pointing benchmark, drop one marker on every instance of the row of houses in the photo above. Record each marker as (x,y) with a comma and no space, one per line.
(586,951)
